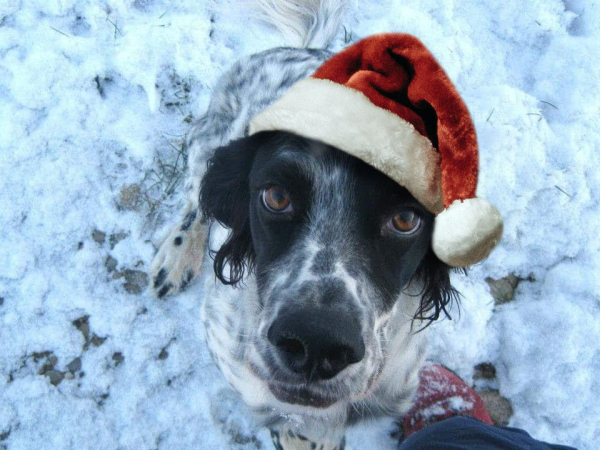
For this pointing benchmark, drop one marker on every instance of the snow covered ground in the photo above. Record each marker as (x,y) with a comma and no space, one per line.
(94,99)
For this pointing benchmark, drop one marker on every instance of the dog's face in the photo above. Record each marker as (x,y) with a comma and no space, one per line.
(332,243)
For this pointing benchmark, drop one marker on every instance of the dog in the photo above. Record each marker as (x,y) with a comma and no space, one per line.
(326,276)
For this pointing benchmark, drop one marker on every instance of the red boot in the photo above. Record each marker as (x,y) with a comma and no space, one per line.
(441,394)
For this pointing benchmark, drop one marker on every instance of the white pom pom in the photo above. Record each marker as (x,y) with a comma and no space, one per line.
(466,232)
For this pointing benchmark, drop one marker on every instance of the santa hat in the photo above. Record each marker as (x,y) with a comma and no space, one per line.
(388,102)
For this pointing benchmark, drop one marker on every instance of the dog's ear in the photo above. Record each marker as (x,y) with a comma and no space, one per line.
(437,289)
(225,197)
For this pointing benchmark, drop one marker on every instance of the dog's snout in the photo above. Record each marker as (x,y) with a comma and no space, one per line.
(318,345)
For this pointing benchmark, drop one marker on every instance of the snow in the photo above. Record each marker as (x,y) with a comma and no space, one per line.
(95,95)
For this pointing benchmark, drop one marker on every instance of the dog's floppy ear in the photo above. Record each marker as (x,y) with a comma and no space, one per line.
(225,197)
(437,290)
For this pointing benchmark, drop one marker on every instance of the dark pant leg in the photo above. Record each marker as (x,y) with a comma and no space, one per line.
(466,433)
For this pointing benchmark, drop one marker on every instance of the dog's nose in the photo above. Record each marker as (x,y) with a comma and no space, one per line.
(317,344)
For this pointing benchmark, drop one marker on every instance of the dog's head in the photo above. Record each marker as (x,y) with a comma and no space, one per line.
(333,244)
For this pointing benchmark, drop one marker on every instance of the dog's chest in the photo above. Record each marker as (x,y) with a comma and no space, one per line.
(228,339)
(224,333)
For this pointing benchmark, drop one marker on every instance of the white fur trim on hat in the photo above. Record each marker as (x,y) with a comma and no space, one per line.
(345,118)
(466,232)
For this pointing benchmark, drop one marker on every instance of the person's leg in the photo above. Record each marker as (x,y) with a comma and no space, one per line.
(441,395)
(448,414)
(466,433)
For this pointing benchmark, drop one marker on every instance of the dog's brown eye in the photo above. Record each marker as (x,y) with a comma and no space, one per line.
(276,199)
(406,221)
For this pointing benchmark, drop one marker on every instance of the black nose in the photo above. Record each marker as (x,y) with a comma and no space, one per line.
(316,343)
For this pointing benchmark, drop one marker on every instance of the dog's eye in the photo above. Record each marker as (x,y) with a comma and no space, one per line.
(406,221)
(276,199)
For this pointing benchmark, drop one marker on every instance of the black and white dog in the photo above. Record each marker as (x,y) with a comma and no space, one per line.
(332,259)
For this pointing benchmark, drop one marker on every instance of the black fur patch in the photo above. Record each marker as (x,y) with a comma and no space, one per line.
(164,290)
(276,440)
(185,281)
(188,220)
(160,278)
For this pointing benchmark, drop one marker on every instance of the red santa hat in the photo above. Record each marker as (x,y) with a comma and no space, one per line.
(388,102)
